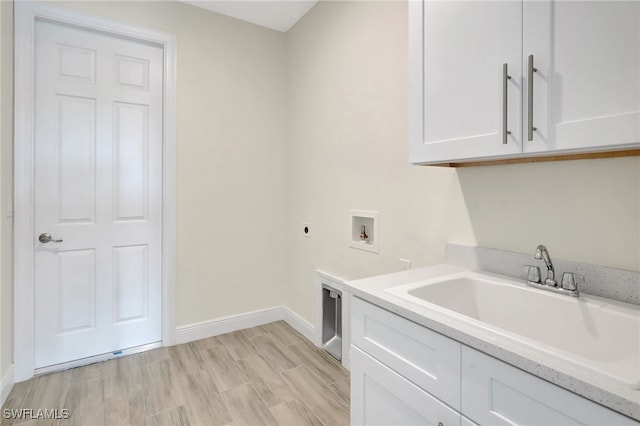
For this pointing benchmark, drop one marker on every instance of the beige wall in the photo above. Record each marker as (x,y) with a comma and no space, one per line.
(586,211)
(230,156)
(347,149)
(6,185)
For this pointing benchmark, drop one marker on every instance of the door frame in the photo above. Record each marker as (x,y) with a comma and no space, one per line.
(26,16)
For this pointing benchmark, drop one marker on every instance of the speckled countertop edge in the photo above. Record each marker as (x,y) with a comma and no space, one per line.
(593,387)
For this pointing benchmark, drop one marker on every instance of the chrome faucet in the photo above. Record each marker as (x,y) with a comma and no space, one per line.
(570,281)
(543,254)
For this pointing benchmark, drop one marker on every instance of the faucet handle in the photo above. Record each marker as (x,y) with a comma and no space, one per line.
(571,281)
(532,273)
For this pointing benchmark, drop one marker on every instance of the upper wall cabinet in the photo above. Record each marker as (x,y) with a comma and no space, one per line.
(508,79)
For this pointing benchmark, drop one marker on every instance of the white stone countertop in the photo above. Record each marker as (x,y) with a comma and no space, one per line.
(562,373)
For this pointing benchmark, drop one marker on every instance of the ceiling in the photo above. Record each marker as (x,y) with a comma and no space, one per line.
(278,15)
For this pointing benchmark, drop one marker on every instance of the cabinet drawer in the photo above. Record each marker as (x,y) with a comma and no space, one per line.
(428,359)
(380,396)
(498,394)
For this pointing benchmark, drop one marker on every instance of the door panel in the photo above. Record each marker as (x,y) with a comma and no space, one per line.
(132,72)
(131,147)
(77,63)
(131,282)
(98,187)
(76,281)
(76,159)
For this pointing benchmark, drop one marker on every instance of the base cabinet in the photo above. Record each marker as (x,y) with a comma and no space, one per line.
(388,387)
(494,393)
(380,396)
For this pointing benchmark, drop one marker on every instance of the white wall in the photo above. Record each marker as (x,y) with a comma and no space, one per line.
(230,156)
(347,149)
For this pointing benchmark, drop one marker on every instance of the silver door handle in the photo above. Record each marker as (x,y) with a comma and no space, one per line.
(505,100)
(530,127)
(46,238)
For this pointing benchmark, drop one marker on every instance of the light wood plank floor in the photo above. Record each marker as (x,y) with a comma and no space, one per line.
(267,375)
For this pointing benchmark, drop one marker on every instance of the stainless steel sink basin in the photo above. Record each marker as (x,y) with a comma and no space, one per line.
(593,333)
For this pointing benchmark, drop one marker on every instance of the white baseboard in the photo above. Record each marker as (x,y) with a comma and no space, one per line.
(8,380)
(202,330)
(300,324)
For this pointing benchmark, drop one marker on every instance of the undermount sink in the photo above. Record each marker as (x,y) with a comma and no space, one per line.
(589,332)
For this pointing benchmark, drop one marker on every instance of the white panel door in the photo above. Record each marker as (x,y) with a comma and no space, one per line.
(98,188)
(586,91)
(464,46)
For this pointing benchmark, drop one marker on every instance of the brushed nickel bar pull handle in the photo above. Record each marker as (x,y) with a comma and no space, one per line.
(505,78)
(530,127)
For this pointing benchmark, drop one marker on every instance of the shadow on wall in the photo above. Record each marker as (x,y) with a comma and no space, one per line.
(586,211)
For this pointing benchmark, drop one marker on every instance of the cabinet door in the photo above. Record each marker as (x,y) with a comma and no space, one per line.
(586,90)
(380,396)
(457,50)
(495,393)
